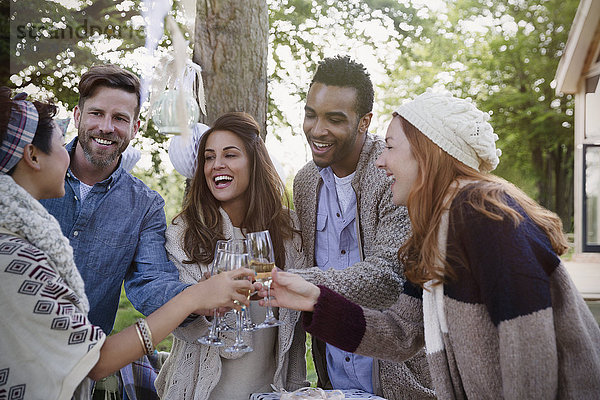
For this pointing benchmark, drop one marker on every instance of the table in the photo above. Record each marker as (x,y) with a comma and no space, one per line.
(349,394)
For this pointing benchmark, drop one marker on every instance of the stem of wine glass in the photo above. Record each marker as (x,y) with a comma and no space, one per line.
(213,327)
(238,332)
(269,309)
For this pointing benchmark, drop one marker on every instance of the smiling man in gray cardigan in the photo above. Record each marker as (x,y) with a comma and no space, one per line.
(351,230)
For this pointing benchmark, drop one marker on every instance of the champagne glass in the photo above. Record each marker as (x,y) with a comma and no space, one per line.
(241,246)
(231,261)
(232,246)
(262,260)
(212,337)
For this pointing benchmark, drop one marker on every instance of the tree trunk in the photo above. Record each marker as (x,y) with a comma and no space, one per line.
(231,42)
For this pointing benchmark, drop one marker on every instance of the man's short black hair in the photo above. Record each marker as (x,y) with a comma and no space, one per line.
(342,71)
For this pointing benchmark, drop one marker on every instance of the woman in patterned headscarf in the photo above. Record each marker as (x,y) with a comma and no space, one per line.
(486,290)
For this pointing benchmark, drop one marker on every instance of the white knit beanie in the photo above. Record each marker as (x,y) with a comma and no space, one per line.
(456,126)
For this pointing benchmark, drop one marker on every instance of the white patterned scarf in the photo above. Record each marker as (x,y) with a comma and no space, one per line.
(24,216)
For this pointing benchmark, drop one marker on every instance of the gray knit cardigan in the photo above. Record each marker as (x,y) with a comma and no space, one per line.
(377,279)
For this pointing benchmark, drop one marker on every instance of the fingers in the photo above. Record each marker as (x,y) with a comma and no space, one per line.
(241,273)
(239,299)
(282,278)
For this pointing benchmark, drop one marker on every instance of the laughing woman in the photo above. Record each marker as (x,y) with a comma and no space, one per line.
(235,189)
(48,345)
(487,292)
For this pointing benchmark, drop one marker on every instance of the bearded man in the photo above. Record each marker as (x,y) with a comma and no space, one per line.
(114,222)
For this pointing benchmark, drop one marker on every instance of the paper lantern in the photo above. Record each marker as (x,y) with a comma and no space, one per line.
(129,158)
(184,151)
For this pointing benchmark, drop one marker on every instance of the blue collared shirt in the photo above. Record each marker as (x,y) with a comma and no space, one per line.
(336,246)
(117,234)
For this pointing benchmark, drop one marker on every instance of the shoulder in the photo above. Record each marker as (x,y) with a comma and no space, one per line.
(371,181)
(138,189)
(175,232)
(367,172)
(28,270)
(496,248)
(307,174)
(373,146)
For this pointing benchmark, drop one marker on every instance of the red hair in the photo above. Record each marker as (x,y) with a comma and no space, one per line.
(432,194)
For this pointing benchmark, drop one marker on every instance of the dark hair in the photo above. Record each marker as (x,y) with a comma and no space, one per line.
(43,133)
(344,72)
(111,76)
(265,196)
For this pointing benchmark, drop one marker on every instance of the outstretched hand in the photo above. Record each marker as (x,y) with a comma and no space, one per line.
(224,289)
(291,291)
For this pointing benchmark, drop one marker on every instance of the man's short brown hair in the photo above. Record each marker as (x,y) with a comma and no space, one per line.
(112,76)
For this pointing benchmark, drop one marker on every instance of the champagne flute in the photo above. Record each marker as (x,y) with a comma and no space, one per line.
(262,260)
(232,246)
(212,337)
(241,246)
(231,261)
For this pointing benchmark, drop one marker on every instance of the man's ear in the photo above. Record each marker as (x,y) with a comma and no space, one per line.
(365,121)
(30,157)
(136,128)
(76,116)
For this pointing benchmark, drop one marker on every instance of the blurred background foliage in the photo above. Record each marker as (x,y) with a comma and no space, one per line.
(502,53)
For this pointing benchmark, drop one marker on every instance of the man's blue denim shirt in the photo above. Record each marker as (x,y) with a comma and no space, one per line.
(117,234)
(336,246)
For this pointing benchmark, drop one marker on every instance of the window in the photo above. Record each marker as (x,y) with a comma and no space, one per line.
(591,198)
(592,105)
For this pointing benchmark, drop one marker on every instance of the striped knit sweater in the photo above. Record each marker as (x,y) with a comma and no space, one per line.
(511,325)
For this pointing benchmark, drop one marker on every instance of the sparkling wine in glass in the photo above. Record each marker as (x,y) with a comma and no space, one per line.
(262,260)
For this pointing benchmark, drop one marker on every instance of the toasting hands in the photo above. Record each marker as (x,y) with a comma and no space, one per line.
(291,291)
(224,290)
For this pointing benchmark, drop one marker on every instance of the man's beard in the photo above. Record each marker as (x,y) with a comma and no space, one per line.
(99,160)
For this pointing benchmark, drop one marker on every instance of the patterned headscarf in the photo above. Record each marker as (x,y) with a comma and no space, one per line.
(20,131)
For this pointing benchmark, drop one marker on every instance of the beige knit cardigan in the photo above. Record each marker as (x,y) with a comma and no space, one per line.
(193,370)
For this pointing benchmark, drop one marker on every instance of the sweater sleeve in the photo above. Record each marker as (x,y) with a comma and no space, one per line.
(506,267)
(395,334)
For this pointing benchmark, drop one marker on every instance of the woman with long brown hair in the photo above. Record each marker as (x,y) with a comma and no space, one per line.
(486,290)
(235,190)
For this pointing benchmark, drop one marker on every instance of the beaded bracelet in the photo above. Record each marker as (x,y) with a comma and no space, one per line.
(146,335)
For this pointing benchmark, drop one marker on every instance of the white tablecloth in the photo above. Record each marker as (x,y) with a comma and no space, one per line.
(349,394)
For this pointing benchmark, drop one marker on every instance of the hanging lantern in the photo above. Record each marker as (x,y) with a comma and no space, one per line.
(167,111)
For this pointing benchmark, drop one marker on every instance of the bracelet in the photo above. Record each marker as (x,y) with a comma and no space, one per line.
(146,335)
(137,329)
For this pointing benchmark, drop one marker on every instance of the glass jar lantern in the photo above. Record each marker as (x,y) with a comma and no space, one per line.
(165,115)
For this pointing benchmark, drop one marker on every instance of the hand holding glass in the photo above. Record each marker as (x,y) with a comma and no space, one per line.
(291,291)
(262,260)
